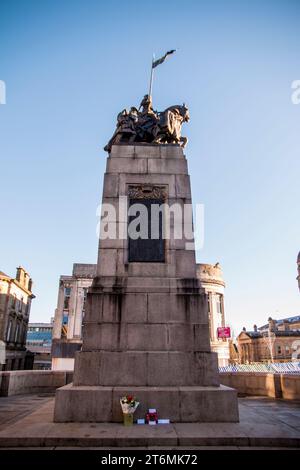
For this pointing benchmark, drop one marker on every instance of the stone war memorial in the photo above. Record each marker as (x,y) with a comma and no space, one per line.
(145,329)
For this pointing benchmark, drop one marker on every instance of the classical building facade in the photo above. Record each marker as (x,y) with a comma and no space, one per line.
(39,339)
(67,326)
(277,341)
(67,330)
(15,303)
(211,279)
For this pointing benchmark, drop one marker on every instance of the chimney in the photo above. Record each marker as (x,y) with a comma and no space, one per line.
(272,324)
(255,328)
(19,273)
(286,325)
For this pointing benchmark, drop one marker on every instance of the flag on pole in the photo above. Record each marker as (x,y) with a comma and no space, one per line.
(157,62)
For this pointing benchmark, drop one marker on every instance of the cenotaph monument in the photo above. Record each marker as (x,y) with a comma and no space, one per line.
(146,330)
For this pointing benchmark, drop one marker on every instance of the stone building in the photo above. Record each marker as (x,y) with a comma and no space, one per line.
(67,326)
(15,303)
(67,331)
(39,339)
(211,279)
(278,340)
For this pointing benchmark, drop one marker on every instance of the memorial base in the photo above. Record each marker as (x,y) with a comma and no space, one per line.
(179,404)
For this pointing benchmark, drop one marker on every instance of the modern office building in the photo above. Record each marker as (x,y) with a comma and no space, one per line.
(39,340)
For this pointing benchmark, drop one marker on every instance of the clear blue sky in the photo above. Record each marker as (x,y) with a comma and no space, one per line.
(70,66)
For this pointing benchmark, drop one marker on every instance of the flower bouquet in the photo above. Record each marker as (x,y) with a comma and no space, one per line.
(128,404)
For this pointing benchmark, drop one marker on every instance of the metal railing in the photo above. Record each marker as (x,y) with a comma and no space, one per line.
(271,368)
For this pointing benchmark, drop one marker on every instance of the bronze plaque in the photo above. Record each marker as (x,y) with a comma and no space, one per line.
(146,249)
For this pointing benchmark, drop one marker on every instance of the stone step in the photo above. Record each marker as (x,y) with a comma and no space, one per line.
(264,423)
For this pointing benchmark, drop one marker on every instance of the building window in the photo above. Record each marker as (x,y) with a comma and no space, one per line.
(20,335)
(219,309)
(219,303)
(287,350)
(209,315)
(67,298)
(208,303)
(17,332)
(8,331)
(21,304)
(64,326)
(14,301)
(278,349)
(24,335)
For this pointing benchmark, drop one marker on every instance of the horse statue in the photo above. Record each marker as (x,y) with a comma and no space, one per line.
(149,126)
(168,128)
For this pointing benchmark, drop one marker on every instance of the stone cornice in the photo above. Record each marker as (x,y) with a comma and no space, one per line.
(14,281)
(211,281)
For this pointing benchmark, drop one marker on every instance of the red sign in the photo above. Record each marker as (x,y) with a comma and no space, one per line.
(223,332)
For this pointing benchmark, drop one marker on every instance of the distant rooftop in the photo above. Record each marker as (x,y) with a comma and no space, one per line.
(3,274)
(278,333)
(40,325)
(84,270)
(290,320)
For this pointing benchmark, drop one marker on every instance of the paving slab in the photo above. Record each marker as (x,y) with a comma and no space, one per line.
(218,434)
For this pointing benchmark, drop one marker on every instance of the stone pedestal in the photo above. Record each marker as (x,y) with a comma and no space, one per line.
(146,326)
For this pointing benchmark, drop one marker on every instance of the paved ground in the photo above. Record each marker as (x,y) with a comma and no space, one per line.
(12,409)
(26,421)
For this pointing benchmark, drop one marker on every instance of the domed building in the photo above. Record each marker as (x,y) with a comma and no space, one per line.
(211,279)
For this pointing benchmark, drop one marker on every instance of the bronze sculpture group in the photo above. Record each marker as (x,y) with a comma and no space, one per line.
(144,125)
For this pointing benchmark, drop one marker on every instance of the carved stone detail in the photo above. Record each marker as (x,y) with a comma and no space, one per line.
(147,192)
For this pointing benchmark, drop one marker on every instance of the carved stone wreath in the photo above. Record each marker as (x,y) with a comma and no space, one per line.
(147,192)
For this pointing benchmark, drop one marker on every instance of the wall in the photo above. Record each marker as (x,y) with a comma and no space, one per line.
(63,363)
(32,381)
(284,386)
